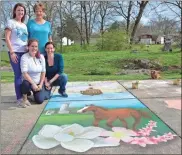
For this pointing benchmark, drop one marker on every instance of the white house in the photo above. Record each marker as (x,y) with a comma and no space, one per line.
(66,41)
(146,39)
(151,39)
(160,40)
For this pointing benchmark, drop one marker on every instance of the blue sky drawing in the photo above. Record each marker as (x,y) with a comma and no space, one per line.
(80,97)
(124,103)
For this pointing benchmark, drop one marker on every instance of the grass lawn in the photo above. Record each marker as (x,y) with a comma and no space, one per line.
(81,65)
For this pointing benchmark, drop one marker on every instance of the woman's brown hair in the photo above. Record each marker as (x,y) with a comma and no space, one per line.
(49,43)
(30,41)
(39,5)
(14,11)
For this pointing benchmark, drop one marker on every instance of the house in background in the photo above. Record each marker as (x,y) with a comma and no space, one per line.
(66,41)
(151,39)
(145,39)
(160,40)
(3,46)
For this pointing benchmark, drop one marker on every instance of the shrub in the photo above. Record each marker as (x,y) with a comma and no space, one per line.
(113,41)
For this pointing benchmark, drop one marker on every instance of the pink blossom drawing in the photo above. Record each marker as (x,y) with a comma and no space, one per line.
(141,137)
(146,131)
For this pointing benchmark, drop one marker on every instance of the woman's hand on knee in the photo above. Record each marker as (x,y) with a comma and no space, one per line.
(39,87)
(48,87)
(35,87)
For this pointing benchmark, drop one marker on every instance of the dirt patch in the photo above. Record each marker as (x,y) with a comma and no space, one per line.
(137,71)
(141,66)
(134,64)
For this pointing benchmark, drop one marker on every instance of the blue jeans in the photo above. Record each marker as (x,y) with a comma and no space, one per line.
(17,75)
(61,82)
(39,96)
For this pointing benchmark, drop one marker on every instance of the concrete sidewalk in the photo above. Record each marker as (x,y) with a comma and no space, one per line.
(17,123)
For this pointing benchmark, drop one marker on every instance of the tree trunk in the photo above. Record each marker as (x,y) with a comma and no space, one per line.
(128,17)
(137,21)
(86,22)
(81,31)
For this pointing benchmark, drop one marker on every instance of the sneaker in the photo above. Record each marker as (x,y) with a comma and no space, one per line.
(22,104)
(27,103)
(63,94)
(18,101)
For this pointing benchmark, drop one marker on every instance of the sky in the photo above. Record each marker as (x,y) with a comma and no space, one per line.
(122,103)
(160,10)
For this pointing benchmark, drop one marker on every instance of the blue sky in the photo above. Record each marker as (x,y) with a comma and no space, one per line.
(124,103)
(163,10)
(104,96)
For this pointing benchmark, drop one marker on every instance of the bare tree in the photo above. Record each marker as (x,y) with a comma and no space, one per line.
(176,4)
(142,6)
(163,25)
(103,14)
(29,8)
(131,12)
(85,21)
(175,7)
(124,9)
(50,10)
(6,12)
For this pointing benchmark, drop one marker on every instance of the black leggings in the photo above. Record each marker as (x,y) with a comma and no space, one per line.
(39,96)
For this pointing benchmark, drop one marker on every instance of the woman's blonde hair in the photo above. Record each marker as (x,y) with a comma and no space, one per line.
(39,5)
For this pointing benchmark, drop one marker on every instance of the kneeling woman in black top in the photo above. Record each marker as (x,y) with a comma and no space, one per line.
(54,70)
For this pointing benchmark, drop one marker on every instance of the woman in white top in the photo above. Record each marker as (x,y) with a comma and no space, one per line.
(16,35)
(33,69)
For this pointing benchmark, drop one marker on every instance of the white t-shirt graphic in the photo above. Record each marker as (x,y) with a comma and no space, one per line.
(19,35)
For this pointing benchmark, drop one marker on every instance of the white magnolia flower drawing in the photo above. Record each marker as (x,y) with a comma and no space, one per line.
(72,137)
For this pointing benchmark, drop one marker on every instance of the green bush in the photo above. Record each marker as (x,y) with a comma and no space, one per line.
(113,41)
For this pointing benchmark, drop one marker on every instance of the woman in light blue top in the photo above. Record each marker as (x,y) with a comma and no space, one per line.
(39,28)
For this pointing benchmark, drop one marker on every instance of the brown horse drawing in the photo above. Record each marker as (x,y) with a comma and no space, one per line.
(112,114)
